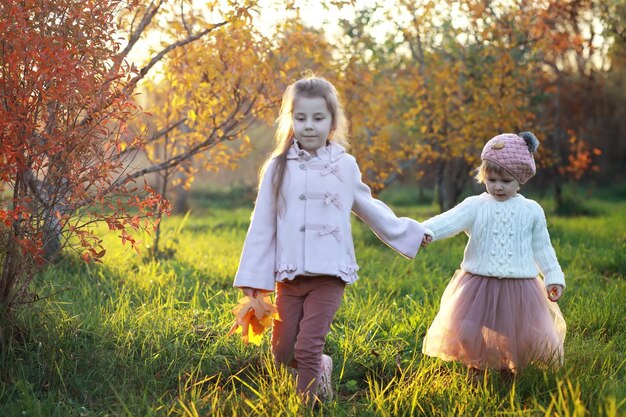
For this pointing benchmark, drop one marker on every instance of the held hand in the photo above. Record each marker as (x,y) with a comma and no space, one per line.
(555,292)
(251,292)
(426,240)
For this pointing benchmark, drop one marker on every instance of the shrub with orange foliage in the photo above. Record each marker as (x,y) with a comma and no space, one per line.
(64,108)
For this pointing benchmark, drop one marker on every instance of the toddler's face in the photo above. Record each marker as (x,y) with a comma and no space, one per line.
(311,123)
(501,187)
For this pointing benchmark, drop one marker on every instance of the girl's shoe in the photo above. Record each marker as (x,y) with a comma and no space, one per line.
(325,386)
(507,376)
(475,376)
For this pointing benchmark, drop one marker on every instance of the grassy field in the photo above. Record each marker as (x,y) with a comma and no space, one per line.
(139,337)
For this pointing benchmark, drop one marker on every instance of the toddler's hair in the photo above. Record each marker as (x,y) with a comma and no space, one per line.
(489,167)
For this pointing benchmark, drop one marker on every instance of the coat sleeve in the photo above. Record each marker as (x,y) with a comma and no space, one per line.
(452,222)
(402,234)
(257,263)
(543,252)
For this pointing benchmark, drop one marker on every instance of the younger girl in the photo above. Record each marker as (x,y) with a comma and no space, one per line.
(495,313)
(299,239)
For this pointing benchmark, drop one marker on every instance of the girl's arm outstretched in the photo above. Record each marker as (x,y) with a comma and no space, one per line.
(402,234)
(451,222)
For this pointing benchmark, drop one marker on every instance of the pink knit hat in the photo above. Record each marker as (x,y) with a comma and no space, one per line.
(513,153)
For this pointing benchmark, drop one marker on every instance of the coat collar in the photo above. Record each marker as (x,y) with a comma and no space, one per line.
(331,152)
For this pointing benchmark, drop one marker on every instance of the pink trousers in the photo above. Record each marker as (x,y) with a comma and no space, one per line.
(307,306)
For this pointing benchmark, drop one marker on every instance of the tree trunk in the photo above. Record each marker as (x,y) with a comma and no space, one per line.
(11,259)
(157,232)
(7,282)
(450,182)
(456,179)
(558,195)
(181,198)
(51,238)
(52,228)
(440,186)
(559,137)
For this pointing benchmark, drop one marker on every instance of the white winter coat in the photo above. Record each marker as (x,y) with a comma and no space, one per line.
(312,234)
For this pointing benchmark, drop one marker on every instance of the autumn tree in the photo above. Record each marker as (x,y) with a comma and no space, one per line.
(573,59)
(66,98)
(444,82)
(461,83)
(63,114)
(209,93)
(449,78)
(371,85)
(613,158)
(297,48)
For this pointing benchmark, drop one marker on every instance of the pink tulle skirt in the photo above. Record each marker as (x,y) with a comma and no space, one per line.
(491,323)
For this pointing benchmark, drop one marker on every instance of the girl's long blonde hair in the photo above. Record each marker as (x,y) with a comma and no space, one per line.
(308,86)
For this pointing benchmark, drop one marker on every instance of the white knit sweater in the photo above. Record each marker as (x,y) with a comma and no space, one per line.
(507,239)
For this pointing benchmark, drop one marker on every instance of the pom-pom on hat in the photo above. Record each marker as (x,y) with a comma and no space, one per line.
(514,153)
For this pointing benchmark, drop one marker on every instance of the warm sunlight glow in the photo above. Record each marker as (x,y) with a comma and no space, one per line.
(312,13)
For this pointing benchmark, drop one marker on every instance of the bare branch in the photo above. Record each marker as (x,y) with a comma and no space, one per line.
(182,18)
(153,138)
(169,48)
(143,24)
(231,125)
(160,133)
(130,87)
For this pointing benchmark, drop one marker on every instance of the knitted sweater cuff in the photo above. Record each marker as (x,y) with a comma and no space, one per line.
(554,279)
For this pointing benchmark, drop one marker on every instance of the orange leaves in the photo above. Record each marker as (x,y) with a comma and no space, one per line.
(92,255)
(252,317)
(580,158)
(5,217)
(128,238)
(65,126)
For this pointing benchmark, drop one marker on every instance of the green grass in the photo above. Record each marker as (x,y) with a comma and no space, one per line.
(139,337)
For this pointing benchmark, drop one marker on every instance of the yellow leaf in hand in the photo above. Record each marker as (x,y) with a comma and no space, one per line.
(252,317)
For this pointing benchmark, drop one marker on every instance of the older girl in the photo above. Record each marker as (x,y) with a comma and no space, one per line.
(300,241)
